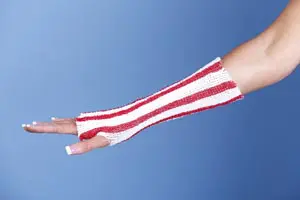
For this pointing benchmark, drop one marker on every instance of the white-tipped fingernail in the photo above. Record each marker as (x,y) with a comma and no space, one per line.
(34,123)
(68,150)
(23,125)
(53,118)
(27,125)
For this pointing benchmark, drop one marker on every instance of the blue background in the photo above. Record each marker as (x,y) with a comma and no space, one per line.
(58,58)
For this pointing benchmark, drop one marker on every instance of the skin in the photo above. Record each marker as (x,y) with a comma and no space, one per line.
(262,61)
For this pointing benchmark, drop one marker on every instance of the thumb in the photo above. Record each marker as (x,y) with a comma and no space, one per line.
(87,145)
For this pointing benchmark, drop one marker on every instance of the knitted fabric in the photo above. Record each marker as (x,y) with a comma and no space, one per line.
(207,88)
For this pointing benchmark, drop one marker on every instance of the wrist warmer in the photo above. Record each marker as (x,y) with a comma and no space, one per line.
(207,88)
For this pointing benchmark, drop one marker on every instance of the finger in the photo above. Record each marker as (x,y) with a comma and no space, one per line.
(41,127)
(51,127)
(55,119)
(65,121)
(87,145)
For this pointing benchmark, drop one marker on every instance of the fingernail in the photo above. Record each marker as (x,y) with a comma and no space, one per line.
(53,118)
(23,125)
(34,123)
(70,150)
(27,125)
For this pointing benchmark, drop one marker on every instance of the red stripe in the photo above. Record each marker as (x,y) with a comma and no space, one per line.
(186,100)
(214,68)
(187,113)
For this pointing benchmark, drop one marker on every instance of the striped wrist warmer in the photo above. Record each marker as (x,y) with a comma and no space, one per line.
(209,87)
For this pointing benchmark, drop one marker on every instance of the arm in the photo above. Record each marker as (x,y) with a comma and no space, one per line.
(269,57)
(258,63)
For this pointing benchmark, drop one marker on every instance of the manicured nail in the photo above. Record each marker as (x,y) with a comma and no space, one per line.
(23,125)
(34,123)
(69,150)
(53,118)
(27,125)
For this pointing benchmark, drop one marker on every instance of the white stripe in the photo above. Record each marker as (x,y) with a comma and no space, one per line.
(89,114)
(212,100)
(211,80)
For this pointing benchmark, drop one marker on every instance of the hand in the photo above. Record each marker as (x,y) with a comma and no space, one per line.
(67,126)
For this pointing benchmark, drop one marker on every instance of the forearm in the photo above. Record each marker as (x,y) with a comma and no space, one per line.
(269,57)
(209,87)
